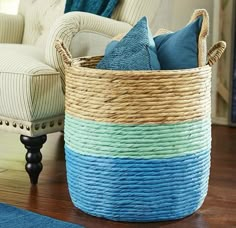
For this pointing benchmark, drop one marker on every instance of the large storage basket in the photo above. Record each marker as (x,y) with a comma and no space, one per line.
(137,142)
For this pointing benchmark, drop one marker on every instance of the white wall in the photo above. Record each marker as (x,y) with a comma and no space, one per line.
(181,11)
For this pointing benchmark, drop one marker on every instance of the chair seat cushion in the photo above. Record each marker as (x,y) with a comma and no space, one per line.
(30,90)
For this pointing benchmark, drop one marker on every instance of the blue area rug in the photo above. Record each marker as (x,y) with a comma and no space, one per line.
(12,217)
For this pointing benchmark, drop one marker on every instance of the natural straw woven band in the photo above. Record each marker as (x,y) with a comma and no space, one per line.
(202,39)
(138,97)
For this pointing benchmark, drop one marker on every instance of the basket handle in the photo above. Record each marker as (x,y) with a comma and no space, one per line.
(215,52)
(64,52)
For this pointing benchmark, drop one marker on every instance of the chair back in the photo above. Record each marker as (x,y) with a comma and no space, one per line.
(156,11)
(39,16)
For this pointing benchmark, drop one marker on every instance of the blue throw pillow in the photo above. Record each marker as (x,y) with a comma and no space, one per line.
(179,50)
(111,46)
(103,8)
(135,51)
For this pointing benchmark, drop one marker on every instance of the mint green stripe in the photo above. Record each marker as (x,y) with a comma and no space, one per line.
(137,141)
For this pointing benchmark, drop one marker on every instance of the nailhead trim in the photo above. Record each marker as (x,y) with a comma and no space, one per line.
(36,126)
(51,124)
(43,125)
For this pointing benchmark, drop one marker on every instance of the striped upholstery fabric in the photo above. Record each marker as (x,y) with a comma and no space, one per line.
(40,15)
(30,89)
(11,28)
(130,11)
(31,98)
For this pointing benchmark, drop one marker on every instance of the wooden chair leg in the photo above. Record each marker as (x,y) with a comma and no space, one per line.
(33,156)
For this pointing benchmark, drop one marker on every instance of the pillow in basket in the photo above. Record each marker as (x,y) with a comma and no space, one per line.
(185,48)
(115,40)
(135,51)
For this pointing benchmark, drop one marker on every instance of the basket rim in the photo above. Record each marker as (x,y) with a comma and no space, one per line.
(75,64)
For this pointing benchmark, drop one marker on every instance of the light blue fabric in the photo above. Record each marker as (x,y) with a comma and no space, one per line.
(137,140)
(138,189)
(100,7)
(136,51)
(12,217)
(179,50)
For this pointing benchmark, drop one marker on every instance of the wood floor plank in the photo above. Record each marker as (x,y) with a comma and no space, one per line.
(51,196)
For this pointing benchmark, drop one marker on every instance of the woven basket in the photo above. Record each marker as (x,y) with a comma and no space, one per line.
(137,142)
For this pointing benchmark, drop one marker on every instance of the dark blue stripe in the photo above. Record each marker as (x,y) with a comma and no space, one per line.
(138,189)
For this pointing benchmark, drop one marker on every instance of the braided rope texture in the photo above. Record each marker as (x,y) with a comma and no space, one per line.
(138,189)
(137,142)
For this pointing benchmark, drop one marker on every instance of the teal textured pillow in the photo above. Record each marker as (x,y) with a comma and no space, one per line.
(179,50)
(111,46)
(135,51)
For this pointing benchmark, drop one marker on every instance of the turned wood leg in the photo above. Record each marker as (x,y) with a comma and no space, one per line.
(33,156)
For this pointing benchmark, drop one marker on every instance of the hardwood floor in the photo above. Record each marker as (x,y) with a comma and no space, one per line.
(51,196)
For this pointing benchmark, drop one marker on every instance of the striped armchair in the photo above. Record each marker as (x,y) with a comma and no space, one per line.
(32,73)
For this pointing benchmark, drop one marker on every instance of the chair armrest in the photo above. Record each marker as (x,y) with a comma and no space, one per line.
(67,27)
(11,28)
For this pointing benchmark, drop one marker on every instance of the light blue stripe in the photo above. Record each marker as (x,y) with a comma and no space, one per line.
(138,189)
(137,141)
